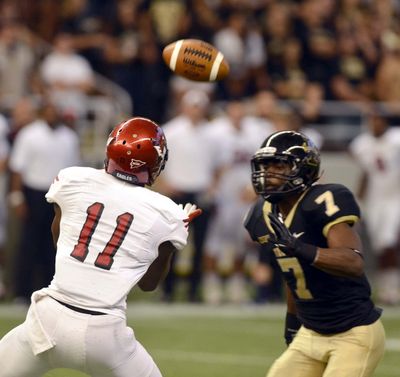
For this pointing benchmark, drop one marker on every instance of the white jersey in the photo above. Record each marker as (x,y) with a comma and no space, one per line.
(109,235)
(194,154)
(380,160)
(238,147)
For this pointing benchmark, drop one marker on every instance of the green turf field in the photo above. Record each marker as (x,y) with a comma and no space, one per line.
(198,341)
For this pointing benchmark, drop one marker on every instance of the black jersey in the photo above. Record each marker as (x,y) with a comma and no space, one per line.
(325,303)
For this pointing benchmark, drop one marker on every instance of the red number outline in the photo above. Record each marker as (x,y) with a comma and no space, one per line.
(105,259)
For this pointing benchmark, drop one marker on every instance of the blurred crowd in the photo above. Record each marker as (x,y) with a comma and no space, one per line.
(309,50)
(287,59)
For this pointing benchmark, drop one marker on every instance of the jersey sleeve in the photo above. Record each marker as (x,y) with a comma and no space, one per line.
(332,204)
(54,190)
(173,229)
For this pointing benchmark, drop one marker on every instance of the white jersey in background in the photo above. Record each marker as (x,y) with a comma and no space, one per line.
(237,146)
(97,210)
(380,160)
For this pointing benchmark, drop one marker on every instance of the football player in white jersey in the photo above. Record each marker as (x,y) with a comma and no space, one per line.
(112,233)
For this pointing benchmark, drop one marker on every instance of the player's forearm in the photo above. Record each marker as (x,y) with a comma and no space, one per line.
(340,262)
(158,270)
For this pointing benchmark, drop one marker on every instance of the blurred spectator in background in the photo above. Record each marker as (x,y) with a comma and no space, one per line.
(40,150)
(168,18)
(226,247)
(192,173)
(86,21)
(290,80)
(68,76)
(277,29)
(122,48)
(150,87)
(377,151)
(22,114)
(287,118)
(178,86)
(388,75)
(42,16)
(135,61)
(314,28)
(243,47)
(203,18)
(261,109)
(17,61)
(264,104)
(353,80)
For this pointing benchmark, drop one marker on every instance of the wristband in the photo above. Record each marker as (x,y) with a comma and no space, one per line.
(292,325)
(306,251)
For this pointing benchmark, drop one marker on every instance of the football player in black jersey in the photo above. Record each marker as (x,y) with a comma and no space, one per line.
(332,326)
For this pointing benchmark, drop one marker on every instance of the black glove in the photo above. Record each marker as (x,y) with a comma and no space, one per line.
(292,325)
(288,243)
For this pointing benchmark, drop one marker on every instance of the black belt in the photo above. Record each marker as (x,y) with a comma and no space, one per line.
(79,310)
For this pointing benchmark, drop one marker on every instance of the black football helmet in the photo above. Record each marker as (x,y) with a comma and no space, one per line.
(292,148)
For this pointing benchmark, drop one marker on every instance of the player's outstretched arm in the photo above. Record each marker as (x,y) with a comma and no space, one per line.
(158,269)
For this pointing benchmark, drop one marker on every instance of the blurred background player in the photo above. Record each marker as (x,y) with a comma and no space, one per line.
(40,149)
(68,76)
(193,170)
(112,233)
(332,326)
(226,243)
(377,151)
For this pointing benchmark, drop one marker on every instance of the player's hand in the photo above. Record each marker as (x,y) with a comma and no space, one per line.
(283,238)
(288,243)
(191,211)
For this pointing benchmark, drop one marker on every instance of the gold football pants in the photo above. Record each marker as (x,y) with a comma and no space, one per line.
(353,353)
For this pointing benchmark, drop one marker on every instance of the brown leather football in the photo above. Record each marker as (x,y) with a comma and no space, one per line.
(196,60)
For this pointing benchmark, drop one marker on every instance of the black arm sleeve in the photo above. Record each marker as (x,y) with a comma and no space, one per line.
(292,325)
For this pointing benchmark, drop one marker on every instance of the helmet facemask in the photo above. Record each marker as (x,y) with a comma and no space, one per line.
(293,150)
(291,180)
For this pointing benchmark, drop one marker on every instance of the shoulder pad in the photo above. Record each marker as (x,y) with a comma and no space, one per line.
(252,216)
(329,204)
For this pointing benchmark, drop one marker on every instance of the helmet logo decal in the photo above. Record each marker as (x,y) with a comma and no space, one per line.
(160,151)
(267,150)
(134,164)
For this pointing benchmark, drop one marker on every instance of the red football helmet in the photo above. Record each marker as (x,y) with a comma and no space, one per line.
(136,151)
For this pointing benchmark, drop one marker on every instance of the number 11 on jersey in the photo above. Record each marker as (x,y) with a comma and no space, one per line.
(105,259)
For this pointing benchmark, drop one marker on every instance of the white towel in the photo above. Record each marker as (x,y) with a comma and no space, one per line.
(39,340)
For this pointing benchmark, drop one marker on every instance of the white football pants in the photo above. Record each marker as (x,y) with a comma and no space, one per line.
(101,346)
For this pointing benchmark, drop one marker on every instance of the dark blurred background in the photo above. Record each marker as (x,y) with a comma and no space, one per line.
(328,68)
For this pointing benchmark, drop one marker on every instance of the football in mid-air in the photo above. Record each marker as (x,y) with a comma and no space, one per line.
(196,60)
